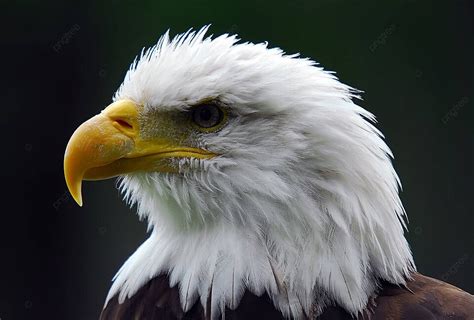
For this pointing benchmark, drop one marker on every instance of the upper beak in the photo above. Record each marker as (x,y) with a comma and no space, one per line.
(109,144)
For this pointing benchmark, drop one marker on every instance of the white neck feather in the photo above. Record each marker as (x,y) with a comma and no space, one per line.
(325,239)
(303,203)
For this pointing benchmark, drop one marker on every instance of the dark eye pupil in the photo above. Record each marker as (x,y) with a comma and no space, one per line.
(207,115)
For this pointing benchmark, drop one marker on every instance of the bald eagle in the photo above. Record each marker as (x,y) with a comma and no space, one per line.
(269,193)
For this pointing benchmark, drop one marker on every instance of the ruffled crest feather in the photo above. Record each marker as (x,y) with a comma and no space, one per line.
(302,203)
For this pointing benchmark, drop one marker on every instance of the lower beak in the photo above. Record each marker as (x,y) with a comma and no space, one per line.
(109,144)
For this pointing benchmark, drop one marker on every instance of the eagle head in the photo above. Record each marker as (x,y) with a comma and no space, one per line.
(255,170)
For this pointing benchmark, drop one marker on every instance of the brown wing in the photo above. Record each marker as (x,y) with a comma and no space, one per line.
(156,300)
(424,298)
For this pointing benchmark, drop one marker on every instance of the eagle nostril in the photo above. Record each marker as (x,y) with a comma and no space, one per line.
(124,124)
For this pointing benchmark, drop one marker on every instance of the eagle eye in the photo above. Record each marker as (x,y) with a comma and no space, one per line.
(207,115)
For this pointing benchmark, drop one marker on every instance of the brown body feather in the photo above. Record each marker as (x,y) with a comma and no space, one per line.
(423,298)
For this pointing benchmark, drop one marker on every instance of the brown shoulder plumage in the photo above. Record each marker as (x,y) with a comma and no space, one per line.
(423,298)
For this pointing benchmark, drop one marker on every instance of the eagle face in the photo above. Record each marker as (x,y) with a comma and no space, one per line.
(217,117)
(255,171)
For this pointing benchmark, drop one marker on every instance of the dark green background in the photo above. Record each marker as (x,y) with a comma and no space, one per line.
(413,59)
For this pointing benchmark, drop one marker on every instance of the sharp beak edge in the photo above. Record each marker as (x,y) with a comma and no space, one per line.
(109,144)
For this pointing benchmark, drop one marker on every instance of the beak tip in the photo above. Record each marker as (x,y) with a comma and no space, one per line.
(73,178)
(79,202)
(77,196)
(75,190)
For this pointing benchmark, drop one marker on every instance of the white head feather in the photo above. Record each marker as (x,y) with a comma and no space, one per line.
(302,203)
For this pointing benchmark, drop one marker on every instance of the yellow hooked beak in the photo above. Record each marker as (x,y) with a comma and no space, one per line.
(109,144)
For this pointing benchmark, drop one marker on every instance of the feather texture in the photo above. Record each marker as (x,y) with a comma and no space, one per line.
(303,195)
(422,298)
